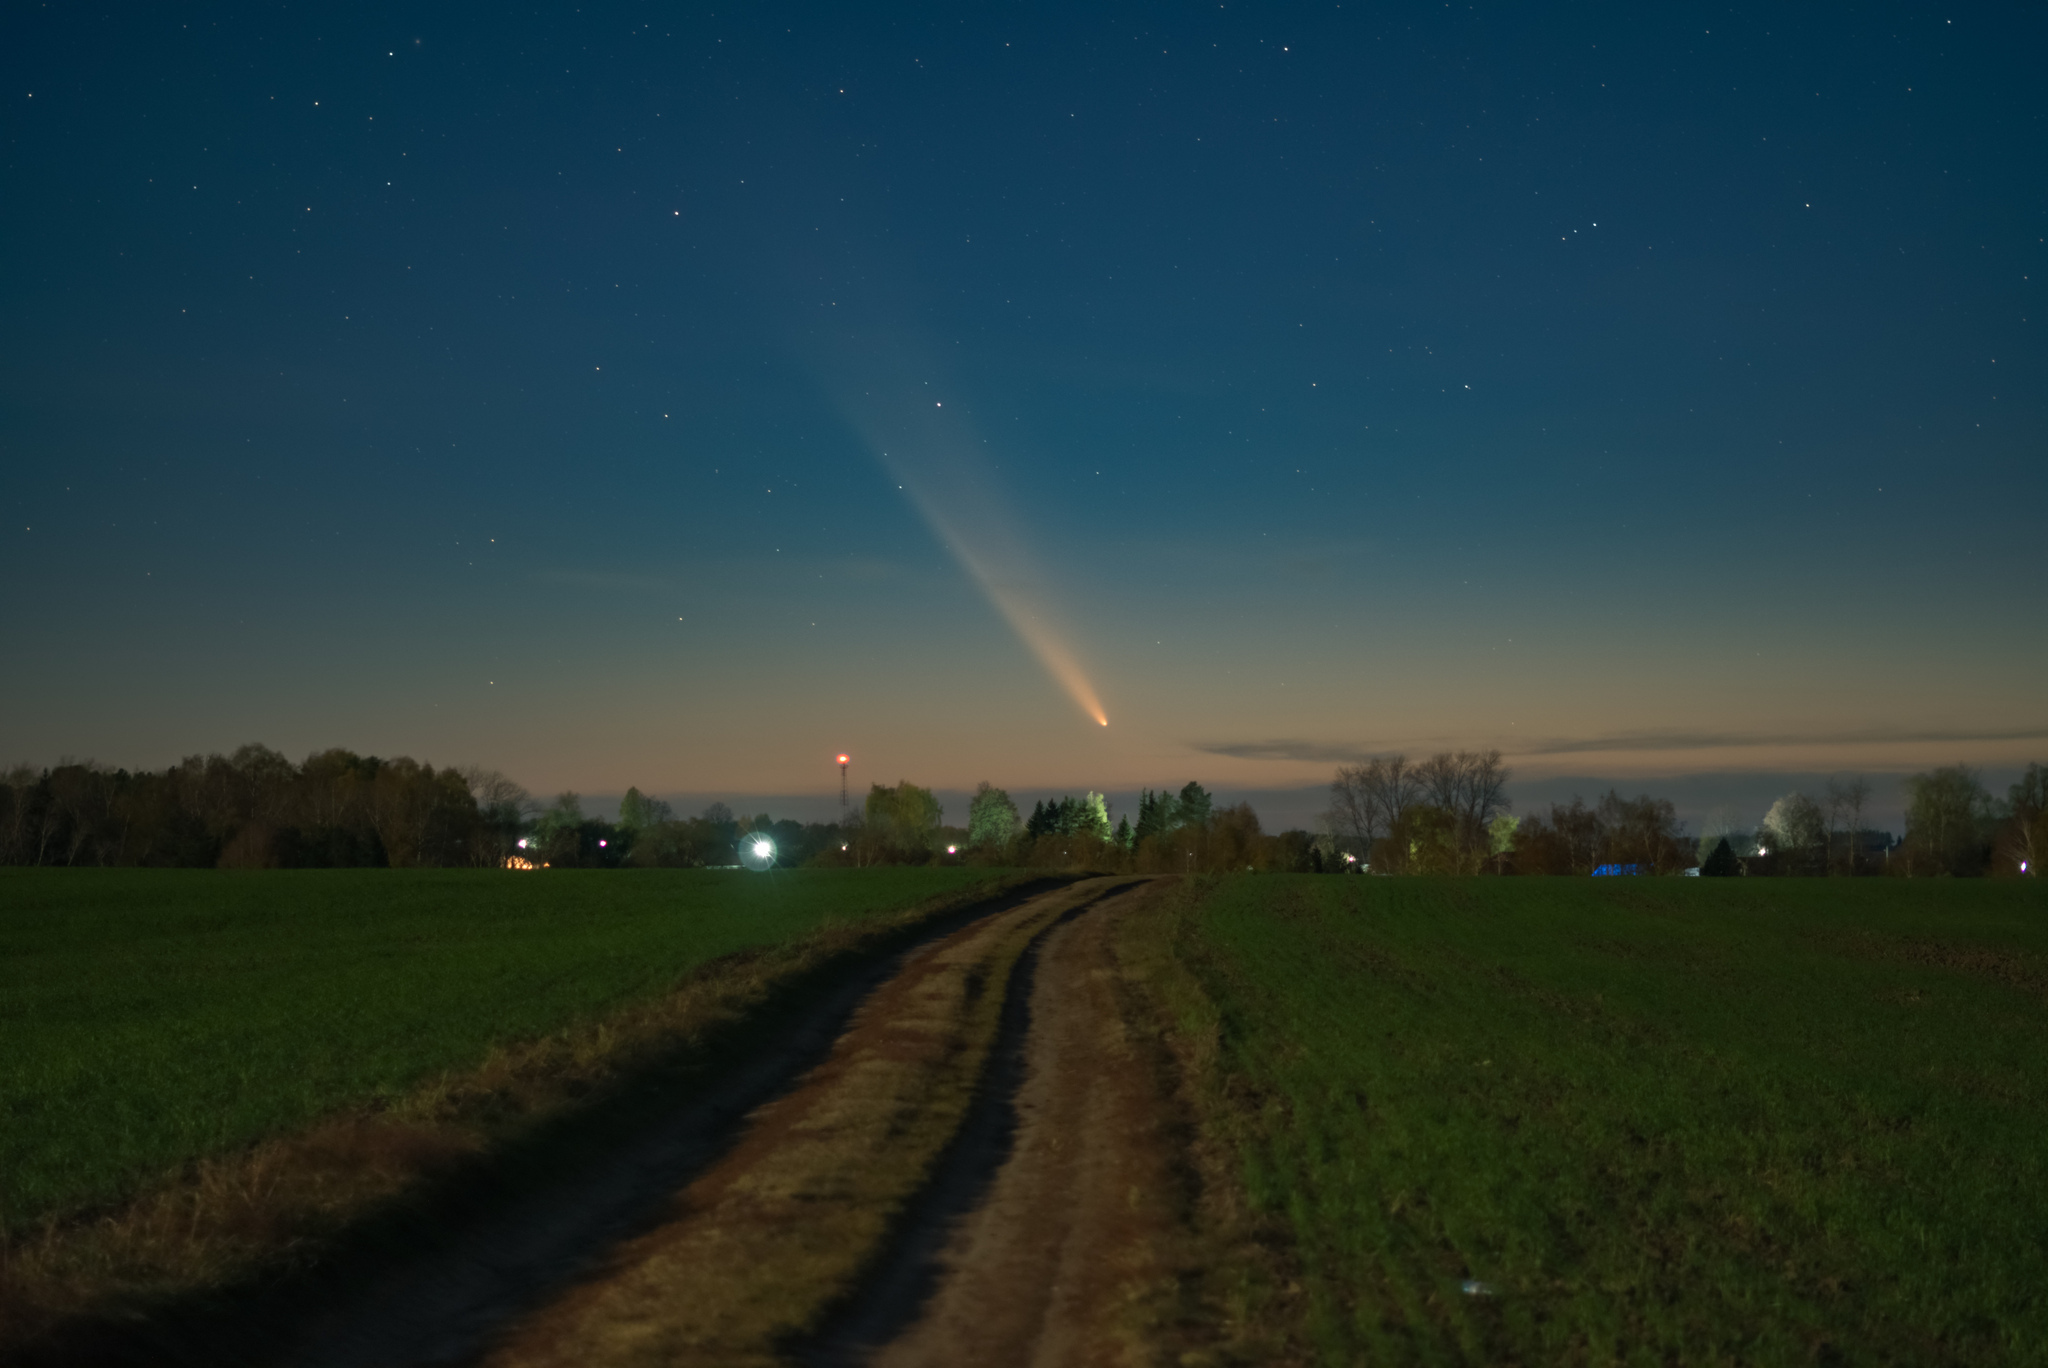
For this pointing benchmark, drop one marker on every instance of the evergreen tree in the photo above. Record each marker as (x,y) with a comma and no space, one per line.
(1149,823)
(1192,808)
(1124,838)
(1041,821)
(1091,816)
(1066,816)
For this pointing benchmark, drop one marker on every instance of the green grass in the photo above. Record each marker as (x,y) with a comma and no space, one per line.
(149,1017)
(1670,1121)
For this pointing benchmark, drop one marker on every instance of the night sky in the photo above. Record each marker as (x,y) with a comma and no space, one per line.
(676,398)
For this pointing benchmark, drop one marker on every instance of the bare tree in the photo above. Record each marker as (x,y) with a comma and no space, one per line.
(1846,799)
(1367,800)
(1442,779)
(1948,815)
(1355,815)
(1486,786)
(2025,838)
(1470,787)
(1397,784)
(490,788)
(19,783)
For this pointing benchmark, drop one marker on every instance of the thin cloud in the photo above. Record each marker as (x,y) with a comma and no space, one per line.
(1346,753)
(1696,740)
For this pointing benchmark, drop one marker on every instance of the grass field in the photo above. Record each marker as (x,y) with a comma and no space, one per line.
(151,1017)
(1665,1121)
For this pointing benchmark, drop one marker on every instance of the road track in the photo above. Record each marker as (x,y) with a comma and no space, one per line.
(1062,1257)
(833,1231)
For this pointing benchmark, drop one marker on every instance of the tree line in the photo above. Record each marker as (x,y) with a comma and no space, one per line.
(1449,814)
(1446,814)
(1954,827)
(1175,832)
(255,809)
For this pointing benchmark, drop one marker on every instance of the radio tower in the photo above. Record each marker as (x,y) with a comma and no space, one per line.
(842,787)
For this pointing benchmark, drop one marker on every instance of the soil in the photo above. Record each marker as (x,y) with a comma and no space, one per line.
(904,1126)
(1056,1263)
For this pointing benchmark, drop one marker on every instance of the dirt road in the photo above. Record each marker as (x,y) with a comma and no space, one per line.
(1062,1259)
(967,1178)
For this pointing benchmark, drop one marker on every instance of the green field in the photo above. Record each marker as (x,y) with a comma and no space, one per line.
(148,1017)
(1667,1121)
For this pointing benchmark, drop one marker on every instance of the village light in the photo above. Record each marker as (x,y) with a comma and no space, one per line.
(761,848)
(522,843)
(955,850)
(604,843)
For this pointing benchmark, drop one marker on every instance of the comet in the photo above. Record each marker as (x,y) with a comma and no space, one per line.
(1030,620)
(931,448)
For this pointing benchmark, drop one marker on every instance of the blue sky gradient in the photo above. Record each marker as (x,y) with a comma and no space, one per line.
(1649,393)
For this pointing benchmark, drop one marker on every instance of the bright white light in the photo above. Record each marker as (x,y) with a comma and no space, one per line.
(955,850)
(763,849)
(604,843)
(522,843)
(1761,851)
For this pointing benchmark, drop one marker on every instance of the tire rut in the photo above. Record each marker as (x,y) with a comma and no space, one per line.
(832,1183)
(1067,1249)
(908,1271)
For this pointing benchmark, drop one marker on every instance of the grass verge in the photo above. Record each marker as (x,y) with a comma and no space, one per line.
(1232,1290)
(267,1206)
(1658,1121)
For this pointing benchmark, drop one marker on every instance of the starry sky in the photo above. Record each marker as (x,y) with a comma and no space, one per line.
(679,396)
